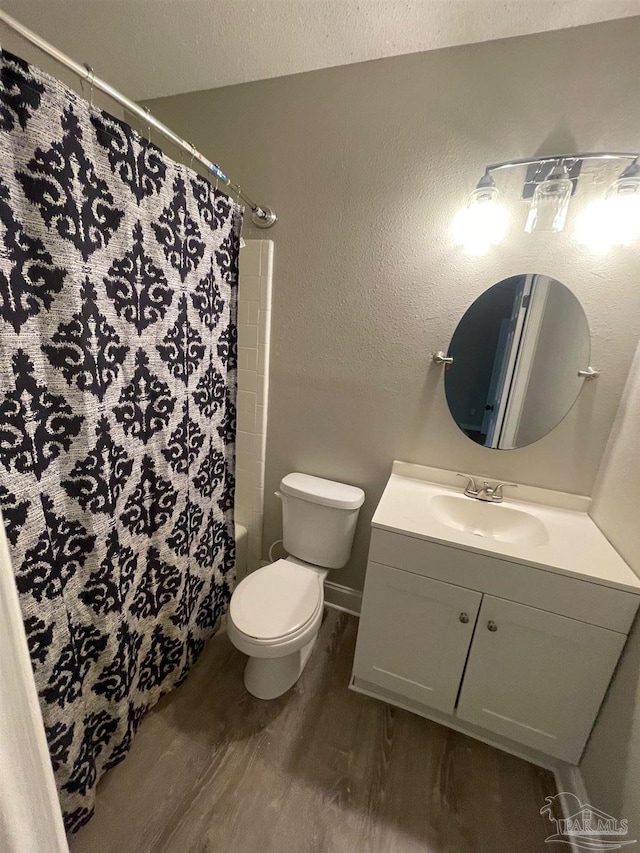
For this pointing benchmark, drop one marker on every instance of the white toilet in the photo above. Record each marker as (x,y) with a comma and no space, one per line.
(275,612)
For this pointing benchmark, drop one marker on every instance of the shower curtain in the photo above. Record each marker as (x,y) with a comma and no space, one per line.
(118,284)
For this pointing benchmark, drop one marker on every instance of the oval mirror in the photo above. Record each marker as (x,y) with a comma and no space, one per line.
(516,356)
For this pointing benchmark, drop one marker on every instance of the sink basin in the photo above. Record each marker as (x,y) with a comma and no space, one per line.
(493,521)
(548,530)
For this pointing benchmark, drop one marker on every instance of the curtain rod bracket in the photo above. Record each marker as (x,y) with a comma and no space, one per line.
(264,217)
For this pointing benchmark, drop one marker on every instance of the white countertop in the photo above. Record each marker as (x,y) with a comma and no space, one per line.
(576,547)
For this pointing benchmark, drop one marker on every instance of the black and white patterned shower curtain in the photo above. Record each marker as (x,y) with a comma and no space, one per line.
(118,282)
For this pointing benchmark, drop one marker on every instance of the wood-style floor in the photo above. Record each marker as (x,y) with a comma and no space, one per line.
(319,770)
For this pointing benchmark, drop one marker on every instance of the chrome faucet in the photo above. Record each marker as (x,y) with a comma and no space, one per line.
(486,492)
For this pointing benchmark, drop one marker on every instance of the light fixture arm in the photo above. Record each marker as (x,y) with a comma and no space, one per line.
(485,181)
(632,170)
(562,158)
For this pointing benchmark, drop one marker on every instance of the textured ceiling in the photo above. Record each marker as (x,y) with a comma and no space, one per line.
(151,48)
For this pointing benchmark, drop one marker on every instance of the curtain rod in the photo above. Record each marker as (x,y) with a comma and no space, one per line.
(263,217)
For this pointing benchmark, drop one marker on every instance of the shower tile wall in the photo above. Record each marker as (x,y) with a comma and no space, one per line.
(254,321)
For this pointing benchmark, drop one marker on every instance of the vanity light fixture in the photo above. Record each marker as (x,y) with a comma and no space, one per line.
(549,183)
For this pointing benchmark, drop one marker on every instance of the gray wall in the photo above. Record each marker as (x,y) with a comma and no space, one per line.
(611,763)
(366,165)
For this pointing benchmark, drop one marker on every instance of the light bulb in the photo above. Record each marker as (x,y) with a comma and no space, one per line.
(592,228)
(614,220)
(483,223)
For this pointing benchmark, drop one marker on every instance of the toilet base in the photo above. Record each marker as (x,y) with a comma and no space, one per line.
(268,678)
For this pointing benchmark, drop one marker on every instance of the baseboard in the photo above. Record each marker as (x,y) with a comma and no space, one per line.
(569,779)
(342,598)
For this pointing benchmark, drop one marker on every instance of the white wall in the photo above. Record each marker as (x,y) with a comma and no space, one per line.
(254,323)
(366,165)
(611,764)
(616,497)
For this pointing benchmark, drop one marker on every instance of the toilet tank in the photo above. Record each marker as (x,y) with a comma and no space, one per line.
(319,519)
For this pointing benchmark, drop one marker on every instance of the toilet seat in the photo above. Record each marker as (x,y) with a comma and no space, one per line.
(276,603)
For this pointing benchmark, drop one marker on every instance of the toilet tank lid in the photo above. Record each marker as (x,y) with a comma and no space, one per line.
(319,491)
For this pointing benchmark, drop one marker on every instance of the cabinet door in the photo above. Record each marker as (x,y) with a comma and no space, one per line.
(536,677)
(414,635)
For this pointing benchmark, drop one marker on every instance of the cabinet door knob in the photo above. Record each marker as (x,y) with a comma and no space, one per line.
(464,618)
(492,625)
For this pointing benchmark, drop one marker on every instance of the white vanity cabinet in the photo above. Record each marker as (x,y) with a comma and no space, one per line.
(526,674)
(518,654)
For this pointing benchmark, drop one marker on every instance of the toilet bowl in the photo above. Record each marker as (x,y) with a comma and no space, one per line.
(274,617)
(276,611)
